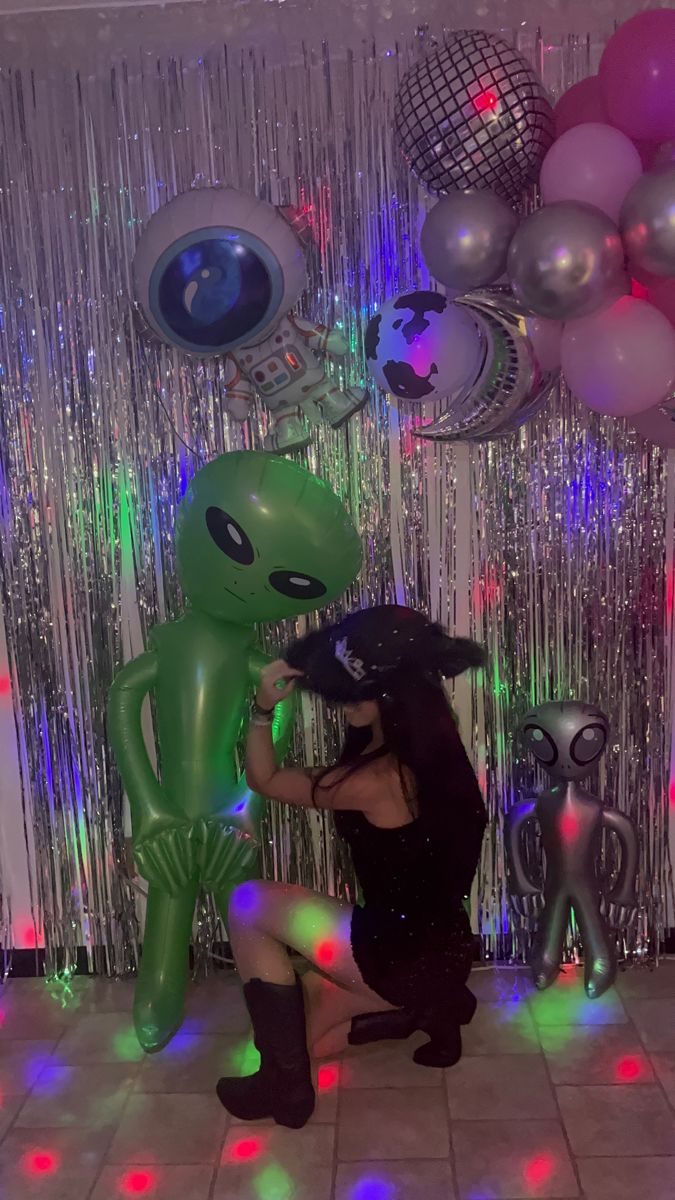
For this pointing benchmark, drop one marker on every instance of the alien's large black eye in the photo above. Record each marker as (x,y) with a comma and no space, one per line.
(296,585)
(229,536)
(542,746)
(588,744)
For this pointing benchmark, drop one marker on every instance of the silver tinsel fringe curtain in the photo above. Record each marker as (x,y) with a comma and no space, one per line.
(554,547)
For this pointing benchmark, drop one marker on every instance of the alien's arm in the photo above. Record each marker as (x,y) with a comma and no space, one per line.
(239,391)
(149,810)
(319,337)
(284,715)
(623,891)
(520,883)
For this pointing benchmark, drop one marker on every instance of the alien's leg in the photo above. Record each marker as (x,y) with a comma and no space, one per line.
(327,401)
(159,999)
(548,943)
(599,950)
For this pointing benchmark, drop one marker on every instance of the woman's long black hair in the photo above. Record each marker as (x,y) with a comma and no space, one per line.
(421,734)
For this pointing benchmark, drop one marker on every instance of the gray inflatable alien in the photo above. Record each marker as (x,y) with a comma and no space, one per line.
(567,739)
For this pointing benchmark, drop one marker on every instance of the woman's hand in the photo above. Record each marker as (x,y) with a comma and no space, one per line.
(276,683)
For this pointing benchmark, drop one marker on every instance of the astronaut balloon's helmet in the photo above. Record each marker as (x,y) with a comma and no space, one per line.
(215,269)
(566,738)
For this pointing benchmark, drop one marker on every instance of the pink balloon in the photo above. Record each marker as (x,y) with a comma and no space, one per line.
(621,360)
(545,336)
(595,164)
(637,73)
(581,103)
(662,296)
(657,425)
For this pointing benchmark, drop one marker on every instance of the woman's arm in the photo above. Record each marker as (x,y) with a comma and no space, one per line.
(294,785)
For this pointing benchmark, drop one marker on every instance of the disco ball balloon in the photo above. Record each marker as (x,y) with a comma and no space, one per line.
(511,385)
(421,346)
(474,115)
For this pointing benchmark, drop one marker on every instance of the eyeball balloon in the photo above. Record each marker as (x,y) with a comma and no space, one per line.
(420,346)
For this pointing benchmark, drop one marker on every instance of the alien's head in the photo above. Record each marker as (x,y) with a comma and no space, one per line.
(258,538)
(567,738)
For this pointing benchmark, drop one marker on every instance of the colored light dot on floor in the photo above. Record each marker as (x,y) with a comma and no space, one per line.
(273,1183)
(628,1068)
(40,1162)
(539,1169)
(328,1077)
(245,1150)
(372,1188)
(5,685)
(138,1183)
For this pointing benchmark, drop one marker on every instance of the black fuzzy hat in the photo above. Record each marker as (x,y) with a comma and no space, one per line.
(372,650)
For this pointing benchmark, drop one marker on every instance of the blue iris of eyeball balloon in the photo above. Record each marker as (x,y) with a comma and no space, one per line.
(420,346)
(216,268)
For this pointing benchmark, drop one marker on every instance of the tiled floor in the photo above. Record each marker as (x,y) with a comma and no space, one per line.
(556,1096)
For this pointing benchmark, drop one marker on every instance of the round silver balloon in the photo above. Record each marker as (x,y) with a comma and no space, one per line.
(510,386)
(474,114)
(566,260)
(465,239)
(648,222)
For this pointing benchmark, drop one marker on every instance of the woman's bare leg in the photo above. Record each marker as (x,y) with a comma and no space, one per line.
(265,918)
(330,1009)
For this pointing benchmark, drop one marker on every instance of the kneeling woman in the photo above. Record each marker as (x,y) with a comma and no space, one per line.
(407,802)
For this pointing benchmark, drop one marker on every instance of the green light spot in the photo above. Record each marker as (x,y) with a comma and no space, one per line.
(310,923)
(126,1045)
(245,1059)
(273,1184)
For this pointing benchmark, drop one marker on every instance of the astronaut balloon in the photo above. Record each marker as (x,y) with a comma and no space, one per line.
(217,273)
(567,740)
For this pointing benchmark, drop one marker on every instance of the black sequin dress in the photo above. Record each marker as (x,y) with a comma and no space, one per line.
(412,939)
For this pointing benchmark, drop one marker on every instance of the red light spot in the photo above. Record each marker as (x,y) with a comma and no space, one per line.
(569,828)
(325,953)
(138,1183)
(671,793)
(539,1169)
(628,1068)
(485,102)
(5,685)
(28,936)
(40,1162)
(328,1077)
(245,1150)
(3,1016)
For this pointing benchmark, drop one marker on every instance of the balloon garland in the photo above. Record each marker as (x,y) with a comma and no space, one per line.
(591,272)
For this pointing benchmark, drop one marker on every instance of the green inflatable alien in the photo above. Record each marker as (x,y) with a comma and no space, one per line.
(258,539)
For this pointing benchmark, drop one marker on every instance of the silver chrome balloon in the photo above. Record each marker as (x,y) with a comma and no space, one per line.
(567,740)
(566,260)
(474,114)
(465,239)
(510,386)
(648,222)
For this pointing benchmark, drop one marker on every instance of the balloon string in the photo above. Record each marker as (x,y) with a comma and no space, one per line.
(158,395)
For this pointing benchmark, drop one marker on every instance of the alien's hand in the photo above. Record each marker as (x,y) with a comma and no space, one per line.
(163,852)
(618,916)
(335,343)
(227,854)
(529,907)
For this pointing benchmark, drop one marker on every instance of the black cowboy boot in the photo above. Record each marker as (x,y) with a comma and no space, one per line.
(282,1088)
(399,1023)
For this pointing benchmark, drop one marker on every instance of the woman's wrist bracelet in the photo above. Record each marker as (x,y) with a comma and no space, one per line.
(258,711)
